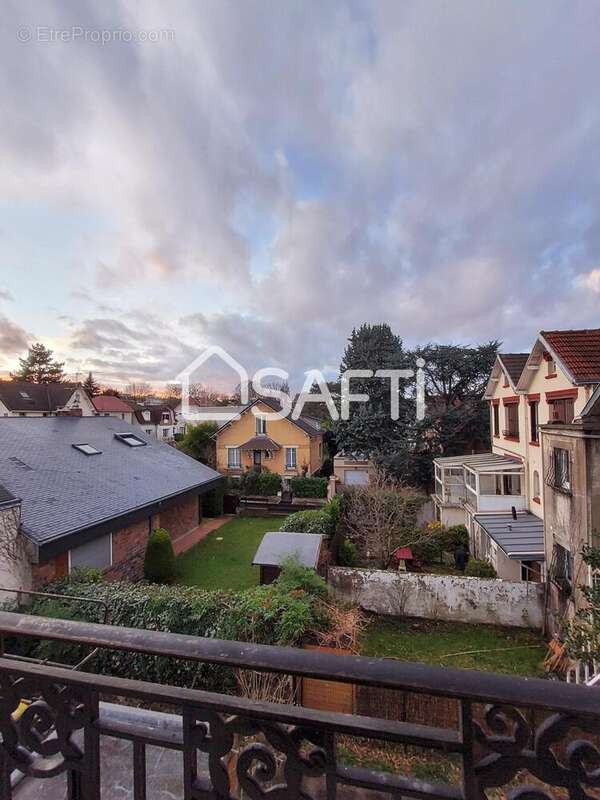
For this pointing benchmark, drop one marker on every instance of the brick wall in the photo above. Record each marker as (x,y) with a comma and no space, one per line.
(181,518)
(50,570)
(128,545)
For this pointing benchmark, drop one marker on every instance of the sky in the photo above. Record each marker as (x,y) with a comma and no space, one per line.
(265,176)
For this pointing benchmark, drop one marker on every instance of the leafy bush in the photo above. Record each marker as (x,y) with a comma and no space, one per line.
(198,441)
(309,487)
(319,520)
(347,554)
(457,535)
(159,560)
(212,502)
(282,613)
(479,568)
(260,482)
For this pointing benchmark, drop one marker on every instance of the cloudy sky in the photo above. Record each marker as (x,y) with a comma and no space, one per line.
(266,175)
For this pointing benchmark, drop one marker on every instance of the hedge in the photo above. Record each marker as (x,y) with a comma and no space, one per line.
(321,520)
(309,487)
(263,483)
(282,613)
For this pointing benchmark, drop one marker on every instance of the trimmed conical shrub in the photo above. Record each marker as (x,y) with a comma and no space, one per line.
(159,561)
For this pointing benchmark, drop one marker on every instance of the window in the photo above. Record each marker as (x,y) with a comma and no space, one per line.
(536,484)
(166,433)
(165,418)
(88,449)
(146,416)
(496,418)
(130,439)
(511,412)
(551,367)
(505,382)
(96,554)
(562,468)
(290,458)
(498,484)
(533,422)
(563,566)
(234,457)
(562,411)
(261,425)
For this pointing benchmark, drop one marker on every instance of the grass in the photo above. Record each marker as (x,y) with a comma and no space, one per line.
(224,559)
(451,644)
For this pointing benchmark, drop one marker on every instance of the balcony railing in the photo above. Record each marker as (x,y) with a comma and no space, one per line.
(285,751)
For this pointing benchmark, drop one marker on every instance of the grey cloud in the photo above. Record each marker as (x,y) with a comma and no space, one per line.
(13,338)
(435,169)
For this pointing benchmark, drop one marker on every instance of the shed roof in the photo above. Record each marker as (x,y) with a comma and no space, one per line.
(278,546)
(521,538)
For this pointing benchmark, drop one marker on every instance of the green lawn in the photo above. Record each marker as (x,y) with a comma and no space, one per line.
(439,642)
(224,559)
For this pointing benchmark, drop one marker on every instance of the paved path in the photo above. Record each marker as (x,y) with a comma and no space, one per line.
(199,533)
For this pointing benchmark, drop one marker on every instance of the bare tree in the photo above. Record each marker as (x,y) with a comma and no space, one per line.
(138,391)
(14,547)
(382,516)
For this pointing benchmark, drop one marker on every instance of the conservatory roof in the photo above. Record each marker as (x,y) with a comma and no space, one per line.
(521,538)
(482,462)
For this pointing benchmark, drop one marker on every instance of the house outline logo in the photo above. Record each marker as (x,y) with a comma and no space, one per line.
(184,379)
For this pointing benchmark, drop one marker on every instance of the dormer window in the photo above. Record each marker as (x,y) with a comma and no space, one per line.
(166,418)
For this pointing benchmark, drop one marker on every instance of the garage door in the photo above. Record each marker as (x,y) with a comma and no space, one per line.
(357,477)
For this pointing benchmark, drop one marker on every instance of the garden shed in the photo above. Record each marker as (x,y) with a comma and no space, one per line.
(277,547)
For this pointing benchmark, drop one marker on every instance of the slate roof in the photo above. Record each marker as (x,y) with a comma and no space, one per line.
(261,442)
(43,397)
(514,364)
(276,547)
(579,351)
(156,412)
(521,538)
(106,403)
(6,496)
(64,491)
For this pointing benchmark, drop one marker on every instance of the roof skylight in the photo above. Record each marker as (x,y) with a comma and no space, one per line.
(88,449)
(130,439)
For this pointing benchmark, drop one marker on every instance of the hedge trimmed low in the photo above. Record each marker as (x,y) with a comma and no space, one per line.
(309,487)
(282,613)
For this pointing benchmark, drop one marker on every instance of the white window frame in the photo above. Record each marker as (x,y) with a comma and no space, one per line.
(239,460)
(288,464)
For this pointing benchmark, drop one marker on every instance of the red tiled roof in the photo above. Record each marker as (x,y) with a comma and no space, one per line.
(579,351)
(106,403)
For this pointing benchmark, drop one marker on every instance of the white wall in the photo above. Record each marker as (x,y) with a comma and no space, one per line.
(444,597)
(14,574)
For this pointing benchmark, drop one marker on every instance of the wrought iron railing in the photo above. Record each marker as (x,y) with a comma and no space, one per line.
(507,725)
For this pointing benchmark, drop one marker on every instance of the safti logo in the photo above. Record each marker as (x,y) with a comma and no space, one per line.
(313,377)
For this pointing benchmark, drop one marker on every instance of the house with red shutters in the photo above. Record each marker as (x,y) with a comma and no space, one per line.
(507,498)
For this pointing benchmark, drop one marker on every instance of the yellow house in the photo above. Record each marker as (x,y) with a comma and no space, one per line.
(286,446)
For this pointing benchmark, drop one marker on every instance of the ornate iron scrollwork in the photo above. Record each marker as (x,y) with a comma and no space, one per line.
(41,742)
(513,745)
(301,748)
